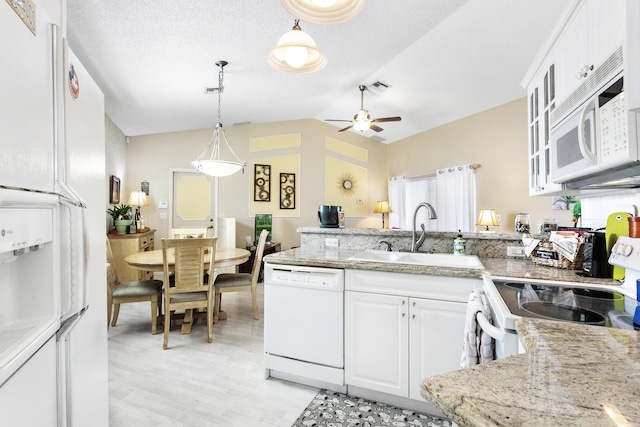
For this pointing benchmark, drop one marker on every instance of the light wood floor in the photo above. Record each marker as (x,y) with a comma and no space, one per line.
(194,383)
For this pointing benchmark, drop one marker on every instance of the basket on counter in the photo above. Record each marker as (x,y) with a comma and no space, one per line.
(544,254)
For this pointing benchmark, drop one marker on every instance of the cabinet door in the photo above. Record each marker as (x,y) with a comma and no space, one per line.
(573,53)
(376,342)
(606,28)
(435,340)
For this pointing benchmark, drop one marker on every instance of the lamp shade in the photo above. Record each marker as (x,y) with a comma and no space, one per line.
(296,53)
(382,207)
(138,198)
(487,217)
(324,12)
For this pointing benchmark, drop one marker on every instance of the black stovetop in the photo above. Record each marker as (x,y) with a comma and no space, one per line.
(565,303)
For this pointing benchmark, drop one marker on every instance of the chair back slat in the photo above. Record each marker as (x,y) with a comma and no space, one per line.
(189,262)
(257,262)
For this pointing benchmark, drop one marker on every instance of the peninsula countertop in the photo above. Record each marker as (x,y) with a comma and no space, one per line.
(571,375)
(500,267)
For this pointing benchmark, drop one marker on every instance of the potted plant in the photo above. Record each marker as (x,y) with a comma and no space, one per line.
(121,218)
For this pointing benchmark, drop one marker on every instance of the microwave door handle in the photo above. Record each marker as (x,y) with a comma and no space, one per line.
(586,153)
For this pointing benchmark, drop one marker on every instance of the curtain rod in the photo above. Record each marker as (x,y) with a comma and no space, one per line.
(431,175)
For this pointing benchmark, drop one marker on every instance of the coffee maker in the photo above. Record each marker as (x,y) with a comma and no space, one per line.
(596,258)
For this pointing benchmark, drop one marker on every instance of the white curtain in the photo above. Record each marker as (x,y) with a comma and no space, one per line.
(397,201)
(456,193)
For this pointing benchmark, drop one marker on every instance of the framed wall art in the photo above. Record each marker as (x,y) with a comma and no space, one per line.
(114,194)
(287,191)
(262,183)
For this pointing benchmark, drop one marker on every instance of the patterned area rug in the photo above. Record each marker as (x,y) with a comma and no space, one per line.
(331,409)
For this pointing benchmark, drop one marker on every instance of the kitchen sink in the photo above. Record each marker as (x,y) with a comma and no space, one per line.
(419,258)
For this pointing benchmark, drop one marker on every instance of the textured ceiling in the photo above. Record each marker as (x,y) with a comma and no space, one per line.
(444,60)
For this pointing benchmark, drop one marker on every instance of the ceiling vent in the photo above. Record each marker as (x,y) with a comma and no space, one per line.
(381,87)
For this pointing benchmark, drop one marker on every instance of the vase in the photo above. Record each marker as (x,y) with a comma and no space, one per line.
(121,225)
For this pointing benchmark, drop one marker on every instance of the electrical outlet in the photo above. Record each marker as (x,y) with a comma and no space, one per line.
(332,243)
(499,218)
(163,215)
(516,251)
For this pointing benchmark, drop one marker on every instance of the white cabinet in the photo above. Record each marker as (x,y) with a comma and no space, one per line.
(401,328)
(593,32)
(542,101)
(435,339)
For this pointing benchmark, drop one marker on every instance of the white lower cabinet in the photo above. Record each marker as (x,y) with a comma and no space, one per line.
(394,339)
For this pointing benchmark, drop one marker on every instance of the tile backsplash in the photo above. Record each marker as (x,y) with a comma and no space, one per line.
(595,210)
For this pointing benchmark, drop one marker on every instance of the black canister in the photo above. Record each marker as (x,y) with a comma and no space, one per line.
(328,216)
(596,263)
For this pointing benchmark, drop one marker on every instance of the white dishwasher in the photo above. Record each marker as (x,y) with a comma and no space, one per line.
(304,324)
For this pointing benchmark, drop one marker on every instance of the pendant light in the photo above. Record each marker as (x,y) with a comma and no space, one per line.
(324,12)
(211,164)
(296,53)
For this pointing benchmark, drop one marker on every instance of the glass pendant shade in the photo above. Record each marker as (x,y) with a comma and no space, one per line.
(213,165)
(296,53)
(209,161)
(324,12)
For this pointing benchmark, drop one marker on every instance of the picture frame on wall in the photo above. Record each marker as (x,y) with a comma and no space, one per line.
(262,222)
(287,190)
(114,187)
(261,183)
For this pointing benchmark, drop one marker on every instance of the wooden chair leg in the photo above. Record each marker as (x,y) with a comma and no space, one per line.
(254,300)
(109,309)
(116,311)
(167,321)
(154,314)
(216,306)
(210,322)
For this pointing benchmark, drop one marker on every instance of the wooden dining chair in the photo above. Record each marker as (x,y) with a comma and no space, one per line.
(137,291)
(238,282)
(188,292)
(189,233)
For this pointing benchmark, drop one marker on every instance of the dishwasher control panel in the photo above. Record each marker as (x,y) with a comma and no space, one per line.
(304,277)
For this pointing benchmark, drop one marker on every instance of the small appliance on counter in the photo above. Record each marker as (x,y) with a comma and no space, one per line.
(328,216)
(596,256)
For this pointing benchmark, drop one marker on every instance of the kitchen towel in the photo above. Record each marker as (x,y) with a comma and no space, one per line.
(478,345)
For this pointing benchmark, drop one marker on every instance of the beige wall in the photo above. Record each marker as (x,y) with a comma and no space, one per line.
(497,140)
(115,162)
(150,157)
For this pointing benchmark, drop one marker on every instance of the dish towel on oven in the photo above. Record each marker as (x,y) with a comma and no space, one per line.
(478,345)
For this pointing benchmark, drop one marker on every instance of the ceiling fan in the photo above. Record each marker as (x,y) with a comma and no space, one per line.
(362,120)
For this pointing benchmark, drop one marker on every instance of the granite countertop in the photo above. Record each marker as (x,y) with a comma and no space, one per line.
(571,375)
(499,267)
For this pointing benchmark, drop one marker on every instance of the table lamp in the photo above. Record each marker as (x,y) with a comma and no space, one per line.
(487,217)
(138,198)
(382,207)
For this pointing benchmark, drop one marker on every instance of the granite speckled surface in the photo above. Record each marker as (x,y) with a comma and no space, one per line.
(568,377)
(571,375)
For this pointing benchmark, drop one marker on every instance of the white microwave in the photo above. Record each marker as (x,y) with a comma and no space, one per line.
(597,142)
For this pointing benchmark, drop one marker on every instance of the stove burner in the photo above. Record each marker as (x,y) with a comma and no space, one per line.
(564,312)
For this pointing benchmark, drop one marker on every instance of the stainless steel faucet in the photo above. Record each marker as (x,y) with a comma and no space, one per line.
(416,243)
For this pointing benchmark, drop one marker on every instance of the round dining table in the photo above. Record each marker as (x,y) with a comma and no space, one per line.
(152,261)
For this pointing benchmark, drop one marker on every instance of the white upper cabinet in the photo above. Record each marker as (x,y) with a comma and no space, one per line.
(593,31)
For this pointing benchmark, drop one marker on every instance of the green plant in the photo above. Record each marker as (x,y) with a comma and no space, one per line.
(119,211)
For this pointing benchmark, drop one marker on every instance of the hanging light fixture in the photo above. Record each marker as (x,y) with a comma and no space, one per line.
(324,12)
(296,53)
(212,164)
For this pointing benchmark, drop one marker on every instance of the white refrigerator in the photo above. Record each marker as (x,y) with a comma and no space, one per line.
(53,197)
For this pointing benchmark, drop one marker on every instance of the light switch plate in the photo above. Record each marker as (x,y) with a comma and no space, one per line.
(163,205)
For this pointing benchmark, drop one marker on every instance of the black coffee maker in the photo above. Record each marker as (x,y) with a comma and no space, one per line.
(328,216)
(596,258)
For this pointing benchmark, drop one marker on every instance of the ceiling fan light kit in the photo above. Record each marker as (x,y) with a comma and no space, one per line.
(209,161)
(362,120)
(296,53)
(324,12)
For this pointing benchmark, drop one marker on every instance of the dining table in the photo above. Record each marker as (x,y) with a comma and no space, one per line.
(153,261)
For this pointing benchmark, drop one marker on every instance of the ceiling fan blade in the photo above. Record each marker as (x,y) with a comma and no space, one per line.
(374,127)
(387,119)
(347,128)
(336,120)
